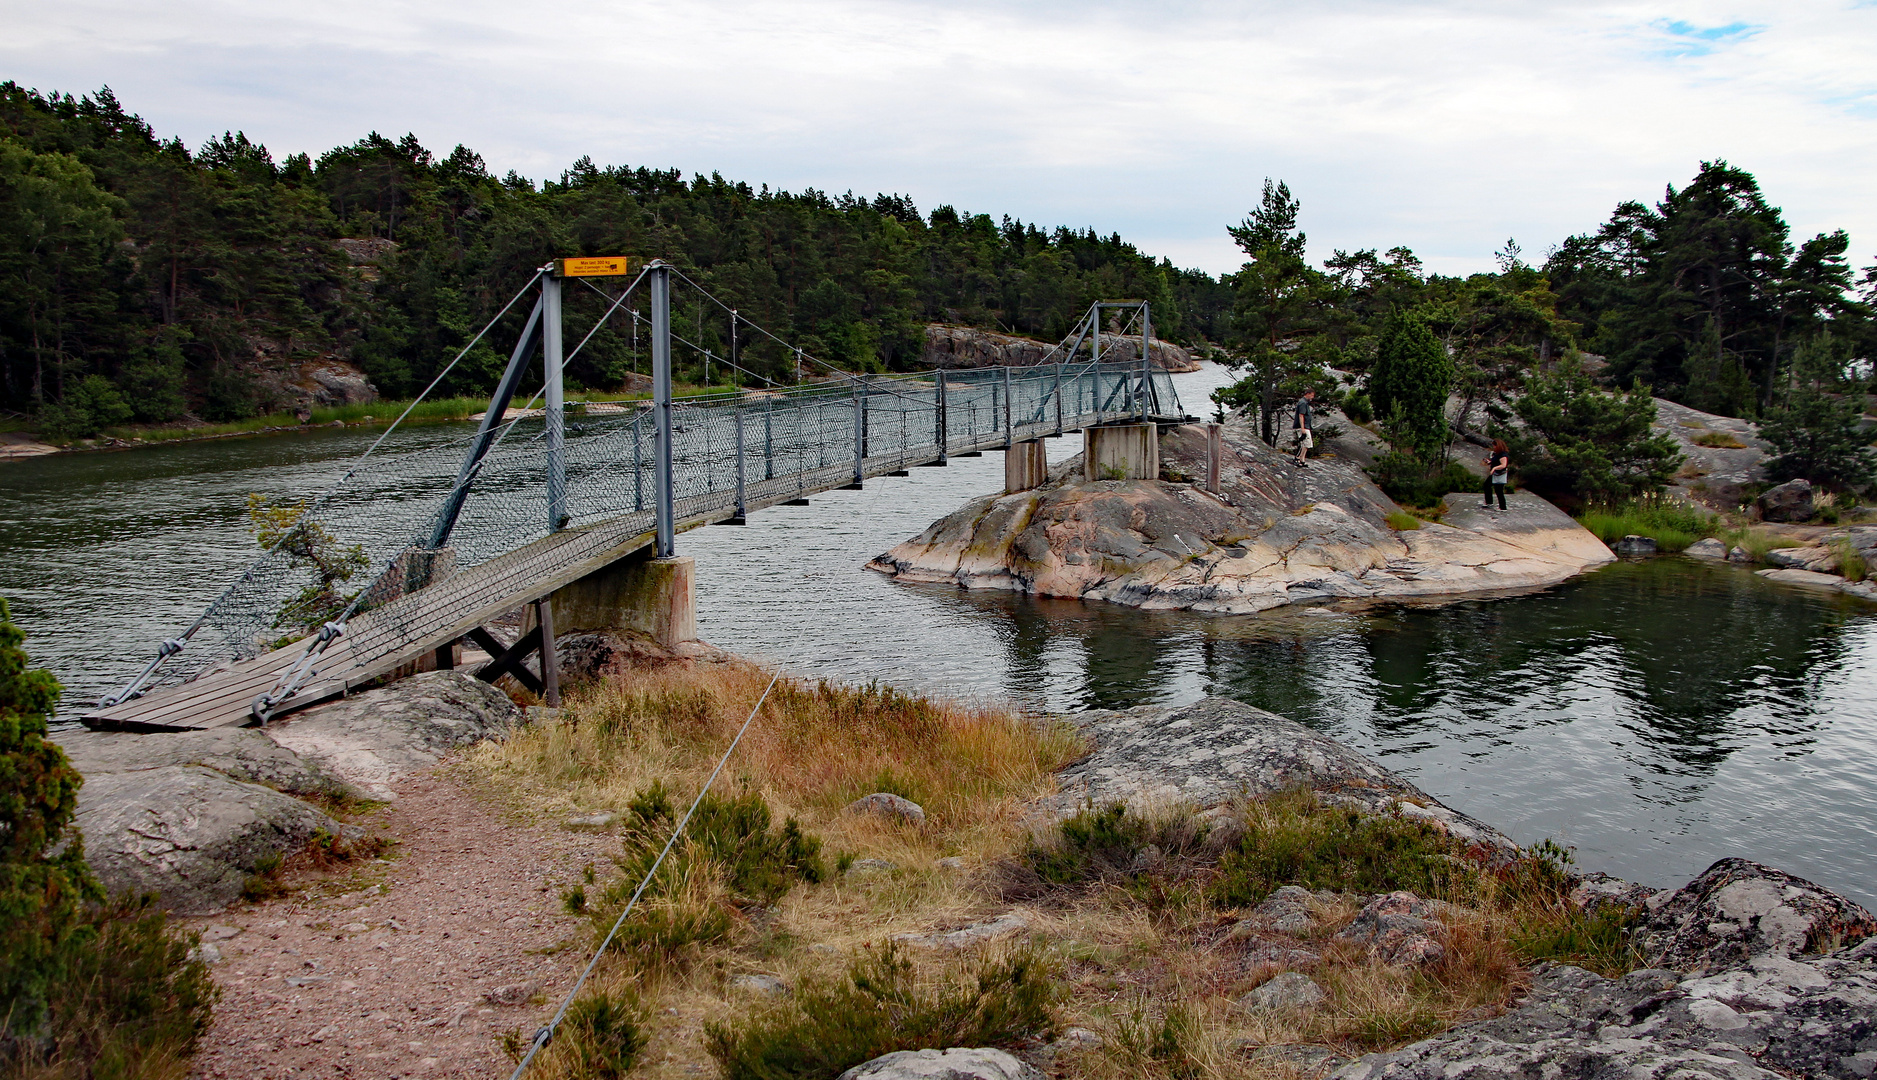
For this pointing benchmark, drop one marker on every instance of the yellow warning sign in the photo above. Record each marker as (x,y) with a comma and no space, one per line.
(594,266)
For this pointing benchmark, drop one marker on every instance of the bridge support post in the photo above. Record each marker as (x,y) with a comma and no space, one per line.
(1215,455)
(550,661)
(860,433)
(1121,452)
(654,597)
(661,405)
(1026,465)
(1007,407)
(741,486)
(1147,368)
(939,419)
(555,419)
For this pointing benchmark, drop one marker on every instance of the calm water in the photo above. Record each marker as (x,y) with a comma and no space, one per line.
(1655,715)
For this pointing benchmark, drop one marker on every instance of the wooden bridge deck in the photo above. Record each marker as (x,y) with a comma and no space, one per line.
(380,641)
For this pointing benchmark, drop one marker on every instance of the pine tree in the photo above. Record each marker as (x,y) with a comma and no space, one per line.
(1409,384)
(1817,424)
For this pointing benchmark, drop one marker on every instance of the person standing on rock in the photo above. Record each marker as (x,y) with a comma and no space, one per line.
(1498,471)
(1300,427)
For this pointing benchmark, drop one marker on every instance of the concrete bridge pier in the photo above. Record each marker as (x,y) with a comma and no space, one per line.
(655,597)
(1121,452)
(1026,465)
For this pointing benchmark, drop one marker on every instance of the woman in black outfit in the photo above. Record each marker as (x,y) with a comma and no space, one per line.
(1498,471)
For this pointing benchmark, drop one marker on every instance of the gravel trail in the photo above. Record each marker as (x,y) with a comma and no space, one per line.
(411,967)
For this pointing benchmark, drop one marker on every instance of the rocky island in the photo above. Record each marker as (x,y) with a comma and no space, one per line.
(1272,534)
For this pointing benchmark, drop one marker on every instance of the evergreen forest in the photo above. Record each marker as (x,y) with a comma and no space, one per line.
(143,282)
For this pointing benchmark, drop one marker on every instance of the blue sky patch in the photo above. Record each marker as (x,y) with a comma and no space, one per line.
(1687,39)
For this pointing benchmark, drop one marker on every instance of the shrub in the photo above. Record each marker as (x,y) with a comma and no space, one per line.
(827,1028)
(1413,482)
(1403,522)
(1111,843)
(1358,408)
(87,988)
(89,405)
(728,857)
(1295,839)
(601,1038)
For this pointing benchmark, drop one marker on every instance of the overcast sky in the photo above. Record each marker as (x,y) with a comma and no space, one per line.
(1446,127)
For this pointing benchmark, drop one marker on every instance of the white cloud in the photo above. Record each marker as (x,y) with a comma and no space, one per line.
(1443,126)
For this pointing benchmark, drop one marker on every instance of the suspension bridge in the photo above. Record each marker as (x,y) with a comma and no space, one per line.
(578,508)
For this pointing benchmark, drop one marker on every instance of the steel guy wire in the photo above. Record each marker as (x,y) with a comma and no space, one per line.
(546,1032)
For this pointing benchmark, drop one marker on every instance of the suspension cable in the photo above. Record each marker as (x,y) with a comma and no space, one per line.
(546,1031)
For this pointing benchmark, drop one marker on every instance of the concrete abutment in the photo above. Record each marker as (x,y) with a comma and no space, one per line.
(1121,452)
(656,597)
(1026,465)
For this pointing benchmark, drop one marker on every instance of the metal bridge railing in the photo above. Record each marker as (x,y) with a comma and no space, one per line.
(729,453)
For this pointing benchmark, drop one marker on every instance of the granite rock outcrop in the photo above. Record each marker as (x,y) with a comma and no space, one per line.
(1273,534)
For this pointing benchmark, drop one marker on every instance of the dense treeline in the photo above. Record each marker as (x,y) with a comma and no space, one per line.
(140,280)
(1702,299)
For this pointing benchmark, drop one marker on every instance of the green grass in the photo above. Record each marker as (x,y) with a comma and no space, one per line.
(880,1007)
(1673,526)
(1402,521)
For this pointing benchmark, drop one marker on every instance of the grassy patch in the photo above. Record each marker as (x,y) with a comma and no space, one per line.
(1672,525)
(881,1006)
(1719,440)
(1402,521)
(814,748)
(1850,562)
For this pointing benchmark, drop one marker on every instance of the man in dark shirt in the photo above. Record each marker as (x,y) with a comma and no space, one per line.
(1300,427)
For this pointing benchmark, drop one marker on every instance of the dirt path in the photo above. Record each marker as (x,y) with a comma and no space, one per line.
(411,967)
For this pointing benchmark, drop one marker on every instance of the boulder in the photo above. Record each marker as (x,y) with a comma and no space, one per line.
(1598,891)
(1737,910)
(1790,501)
(1212,751)
(1287,910)
(1772,1018)
(242,753)
(1290,990)
(1399,928)
(375,738)
(1633,546)
(884,804)
(975,934)
(955,1064)
(1272,535)
(187,833)
(760,985)
(1706,549)
(1738,554)
(1808,557)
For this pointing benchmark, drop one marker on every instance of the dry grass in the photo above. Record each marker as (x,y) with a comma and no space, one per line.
(1146,949)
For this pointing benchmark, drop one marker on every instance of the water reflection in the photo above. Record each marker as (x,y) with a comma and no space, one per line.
(1658,715)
